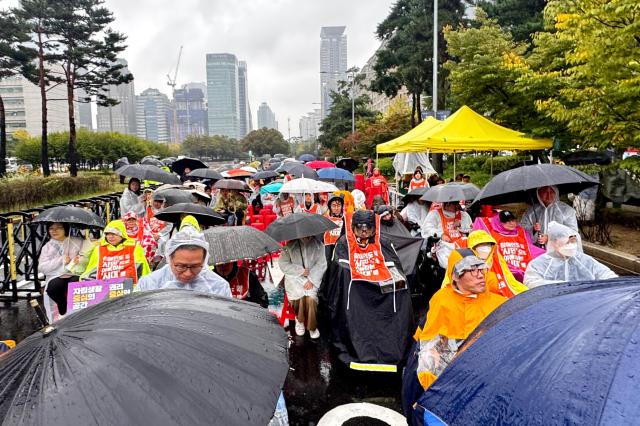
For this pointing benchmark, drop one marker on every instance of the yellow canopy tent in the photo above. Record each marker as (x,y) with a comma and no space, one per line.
(465,130)
(421,129)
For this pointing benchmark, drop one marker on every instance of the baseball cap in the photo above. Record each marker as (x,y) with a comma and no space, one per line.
(506,216)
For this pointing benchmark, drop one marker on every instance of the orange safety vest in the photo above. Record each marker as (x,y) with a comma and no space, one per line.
(503,287)
(117,264)
(240,284)
(513,248)
(450,229)
(314,208)
(367,264)
(286,207)
(332,236)
(415,184)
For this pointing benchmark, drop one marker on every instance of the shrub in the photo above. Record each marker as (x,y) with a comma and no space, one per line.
(28,192)
(502,164)
(386,168)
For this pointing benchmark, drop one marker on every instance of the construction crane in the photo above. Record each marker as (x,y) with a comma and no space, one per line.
(172,82)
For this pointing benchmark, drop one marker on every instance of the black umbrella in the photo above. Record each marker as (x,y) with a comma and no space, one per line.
(231,184)
(172,196)
(446,193)
(147,172)
(178,166)
(300,170)
(152,161)
(307,157)
(233,243)
(206,174)
(418,192)
(299,225)
(203,214)
(153,358)
(72,215)
(288,165)
(274,165)
(347,164)
(168,161)
(267,174)
(519,185)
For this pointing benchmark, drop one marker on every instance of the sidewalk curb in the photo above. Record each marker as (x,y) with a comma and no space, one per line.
(620,261)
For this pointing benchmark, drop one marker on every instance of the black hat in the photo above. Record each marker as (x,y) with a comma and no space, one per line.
(339,198)
(364,217)
(506,216)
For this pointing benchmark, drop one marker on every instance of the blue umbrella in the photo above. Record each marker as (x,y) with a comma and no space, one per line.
(336,174)
(272,188)
(307,157)
(558,354)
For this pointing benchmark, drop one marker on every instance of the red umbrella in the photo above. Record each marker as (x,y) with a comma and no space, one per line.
(320,164)
(234,173)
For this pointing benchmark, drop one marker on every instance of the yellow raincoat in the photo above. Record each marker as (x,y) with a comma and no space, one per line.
(191,221)
(142,266)
(499,278)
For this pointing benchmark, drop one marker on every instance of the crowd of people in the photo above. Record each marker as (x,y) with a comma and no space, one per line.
(485,259)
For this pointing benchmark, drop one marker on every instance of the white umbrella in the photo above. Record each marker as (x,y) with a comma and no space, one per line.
(249,169)
(307,186)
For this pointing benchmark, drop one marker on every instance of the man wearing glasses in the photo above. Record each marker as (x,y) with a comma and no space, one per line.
(187,253)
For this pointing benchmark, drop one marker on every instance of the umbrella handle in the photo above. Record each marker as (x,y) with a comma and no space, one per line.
(42,316)
(302,255)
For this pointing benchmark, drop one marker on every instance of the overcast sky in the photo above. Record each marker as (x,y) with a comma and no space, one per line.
(279,39)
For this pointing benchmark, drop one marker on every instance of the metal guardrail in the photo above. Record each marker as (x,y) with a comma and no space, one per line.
(22,241)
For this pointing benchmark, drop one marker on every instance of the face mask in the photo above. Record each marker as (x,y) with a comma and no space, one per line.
(483,250)
(449,214)
(568,250)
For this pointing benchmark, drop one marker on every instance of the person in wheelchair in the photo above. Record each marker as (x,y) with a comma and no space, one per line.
(451,225)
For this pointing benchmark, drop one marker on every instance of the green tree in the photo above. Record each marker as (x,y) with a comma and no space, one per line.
(522,18)
(598,86)
(265,141)
(87,51)
(406,56)
(15,58)
(337,124)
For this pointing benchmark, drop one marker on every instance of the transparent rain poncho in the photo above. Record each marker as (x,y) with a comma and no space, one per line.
(555,212)
(206,281)
(553,267)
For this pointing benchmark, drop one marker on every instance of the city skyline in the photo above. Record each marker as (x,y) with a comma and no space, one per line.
(283,61)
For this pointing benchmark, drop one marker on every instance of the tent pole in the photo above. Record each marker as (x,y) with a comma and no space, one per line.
(454,166)
(491,163)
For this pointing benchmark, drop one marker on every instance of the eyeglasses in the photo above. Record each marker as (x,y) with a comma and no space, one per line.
(476,271)
(183,268)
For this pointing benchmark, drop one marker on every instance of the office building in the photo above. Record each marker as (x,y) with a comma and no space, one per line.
(23,107)
(243,100)
(83,113)
(153,116)
(310,126)
(266,117)
(191,112)
(223,95)
(120,118)
(333,63)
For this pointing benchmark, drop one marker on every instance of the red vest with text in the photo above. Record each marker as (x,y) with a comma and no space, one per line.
(331,237)
(117,264)
(367,264)
(513,248)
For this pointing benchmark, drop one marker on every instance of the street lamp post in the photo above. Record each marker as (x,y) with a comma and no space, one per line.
(435,58)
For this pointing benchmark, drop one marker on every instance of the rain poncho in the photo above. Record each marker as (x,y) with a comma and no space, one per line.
(451,317)
(359,199)
(557,211)
(190,222)
(141,265)
(432,225)
(553,267)
(51,260)
(206,281)
(295,257)
(131,202)
(415,212)
(499,278)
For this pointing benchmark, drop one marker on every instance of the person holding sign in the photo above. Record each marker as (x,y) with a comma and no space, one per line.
(336,215)
(303,263)
(187,254)
(116,256)
(370,308)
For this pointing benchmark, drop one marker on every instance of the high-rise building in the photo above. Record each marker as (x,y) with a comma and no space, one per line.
(23,107)
(191,112)
(153,116)
(310,126)
(84,116)
(243,100)
(223,95)
(333,63)
(266,117)
(120,118)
